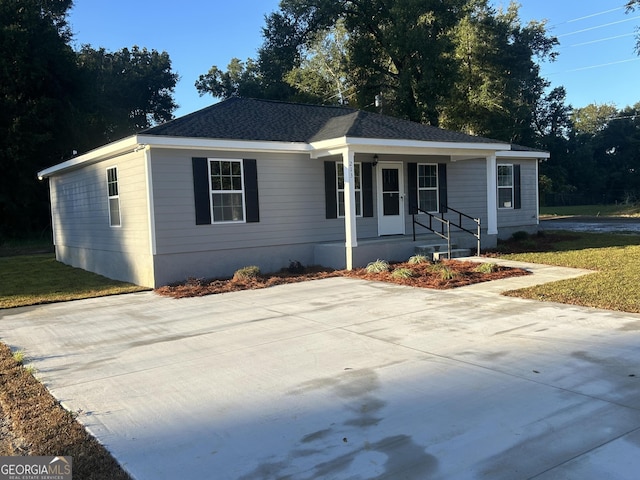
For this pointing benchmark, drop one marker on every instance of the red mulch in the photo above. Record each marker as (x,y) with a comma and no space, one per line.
(424,276)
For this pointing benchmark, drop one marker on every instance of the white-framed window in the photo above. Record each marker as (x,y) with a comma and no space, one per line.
(505,186)
(357,170)
(227,190)
(113,197)
(428,187)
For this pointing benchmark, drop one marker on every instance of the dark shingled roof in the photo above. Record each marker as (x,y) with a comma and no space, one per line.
(267,120)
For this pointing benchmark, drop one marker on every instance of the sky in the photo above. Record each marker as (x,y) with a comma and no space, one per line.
(596,63)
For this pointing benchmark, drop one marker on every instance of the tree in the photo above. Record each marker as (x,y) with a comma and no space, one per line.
(617,153)
(240,79)
(593,118)
(54,101)
(631,7)
(455,63)
(323,74)
(497,84)
(123,92)
(37,86)
(554,130)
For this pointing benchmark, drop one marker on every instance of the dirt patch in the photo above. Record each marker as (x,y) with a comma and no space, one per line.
(440,275)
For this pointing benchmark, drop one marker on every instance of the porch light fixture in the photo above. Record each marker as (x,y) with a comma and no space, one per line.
(375,159)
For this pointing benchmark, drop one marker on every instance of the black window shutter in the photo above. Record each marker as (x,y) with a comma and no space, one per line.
(517,190)
(201,191)
(412,173)
(442,186)
(250,171)
(367,189)
(330,190)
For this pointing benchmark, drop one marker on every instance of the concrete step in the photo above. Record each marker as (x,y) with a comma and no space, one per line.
(455,253)
(428,249)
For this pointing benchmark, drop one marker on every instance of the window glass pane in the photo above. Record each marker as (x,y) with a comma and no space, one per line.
(225,168)
(341,204)
(114,212)
(215,168)
(340,175)
(235,168)
(227,207)
(390,204)
(505,176)
(358,203)
(216,183)
(356,170)
(390,180)
(505,198)
(428,200)
(427,176)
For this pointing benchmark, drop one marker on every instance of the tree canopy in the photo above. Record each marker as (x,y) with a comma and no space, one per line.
(54,101)
(459,64)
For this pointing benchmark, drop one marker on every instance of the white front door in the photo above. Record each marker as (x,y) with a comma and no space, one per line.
(390,198)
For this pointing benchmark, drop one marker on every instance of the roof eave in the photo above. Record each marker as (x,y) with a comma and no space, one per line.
(523,154)
(199,143)
(111,150)
(409,147)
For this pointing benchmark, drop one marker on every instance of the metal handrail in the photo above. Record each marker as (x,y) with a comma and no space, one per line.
(448,223)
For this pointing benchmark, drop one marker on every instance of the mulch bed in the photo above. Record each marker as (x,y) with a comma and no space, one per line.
(426,275)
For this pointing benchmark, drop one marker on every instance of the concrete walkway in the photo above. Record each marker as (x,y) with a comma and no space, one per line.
(346,379)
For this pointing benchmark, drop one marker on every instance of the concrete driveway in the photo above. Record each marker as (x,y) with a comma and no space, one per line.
(346,379)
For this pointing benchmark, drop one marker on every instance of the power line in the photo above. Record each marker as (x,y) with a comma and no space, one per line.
(593,15)
(598,26)
(602,40)
(590,67)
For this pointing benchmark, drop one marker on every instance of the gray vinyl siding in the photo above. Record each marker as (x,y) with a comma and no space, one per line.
(466,185)
(291,201)
(527,215)
(80,213)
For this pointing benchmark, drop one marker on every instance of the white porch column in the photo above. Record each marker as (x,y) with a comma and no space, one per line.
(492,195)
(351,236)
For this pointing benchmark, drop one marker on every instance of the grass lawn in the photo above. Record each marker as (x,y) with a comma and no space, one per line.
(615,257)
(592,211)
(33,279)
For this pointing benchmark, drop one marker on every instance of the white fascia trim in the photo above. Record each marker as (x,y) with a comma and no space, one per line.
(520,154)
(191,143)
(112,150)
(408,147)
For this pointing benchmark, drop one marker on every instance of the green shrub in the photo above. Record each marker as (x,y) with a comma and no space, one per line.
(378,266)
(18,356)
(417,259)
(486,268)
(402,273)
(295,267)
(447,273)
(247,273)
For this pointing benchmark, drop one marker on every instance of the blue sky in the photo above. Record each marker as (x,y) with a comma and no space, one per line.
(597,63)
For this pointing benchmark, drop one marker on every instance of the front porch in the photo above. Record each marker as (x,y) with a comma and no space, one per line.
(393,248)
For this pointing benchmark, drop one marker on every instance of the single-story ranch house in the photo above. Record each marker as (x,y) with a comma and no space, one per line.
(257,182)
